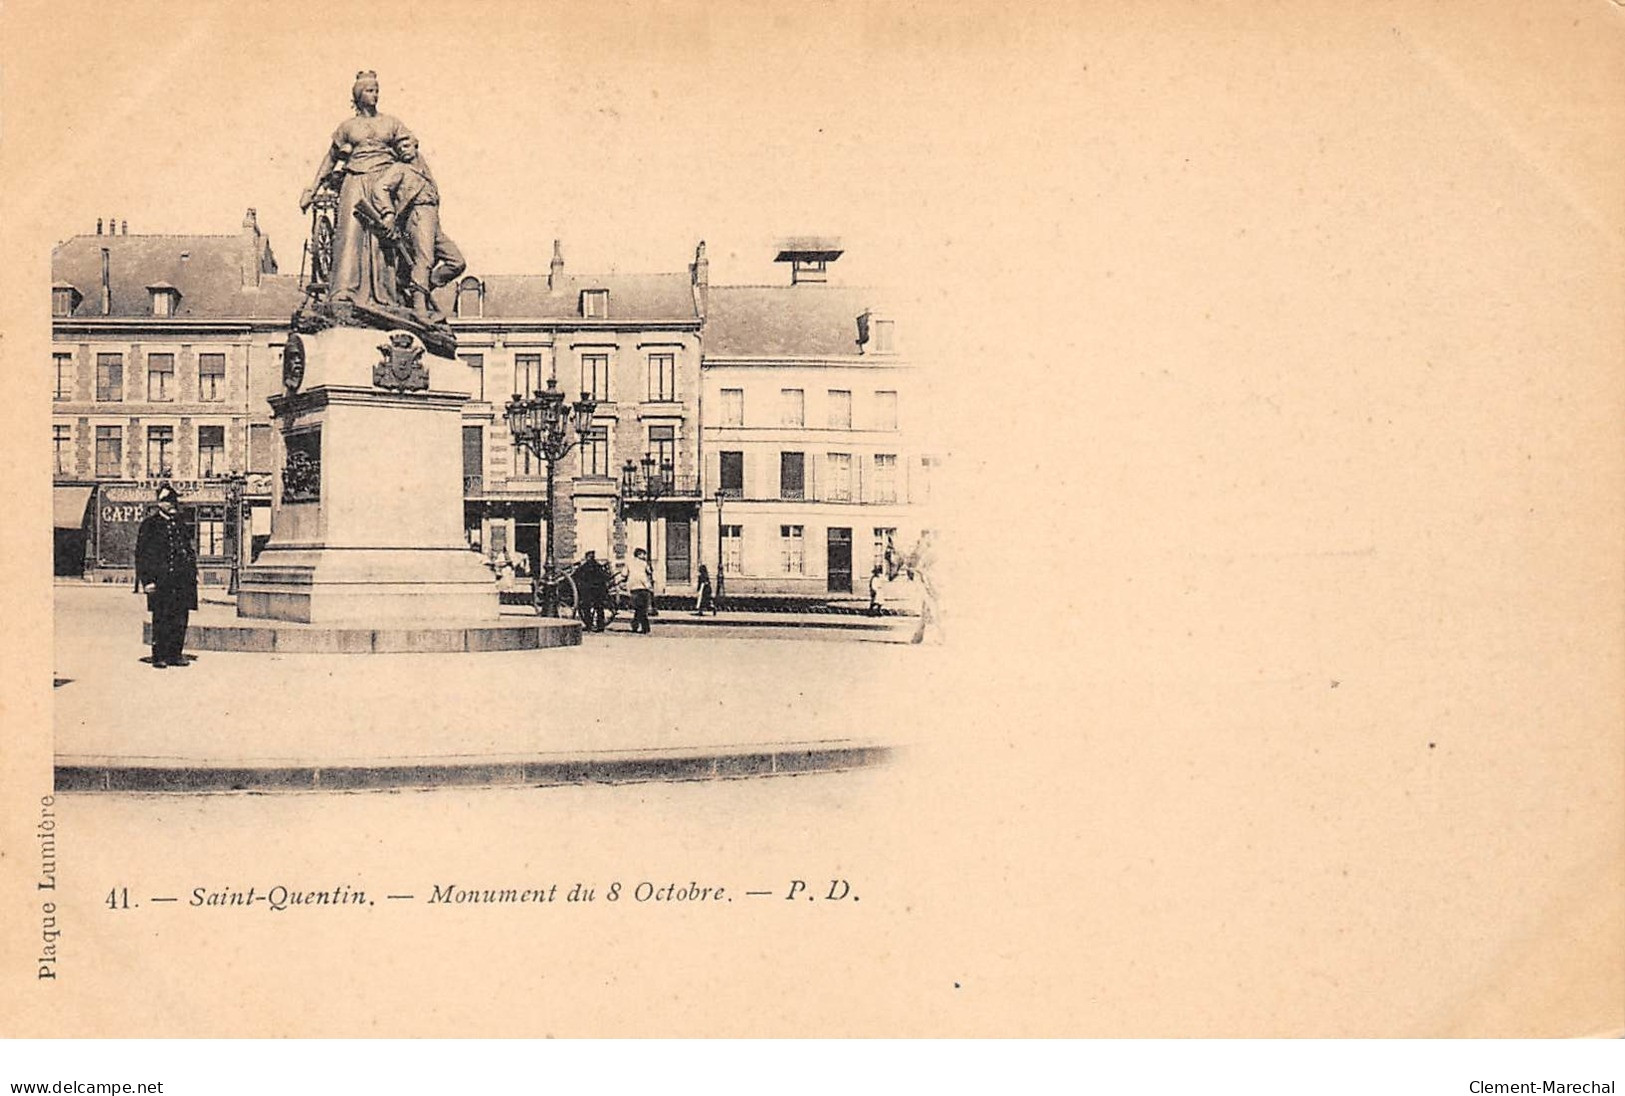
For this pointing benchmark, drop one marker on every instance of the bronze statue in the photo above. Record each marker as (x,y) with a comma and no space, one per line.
(407,204)
(356,261)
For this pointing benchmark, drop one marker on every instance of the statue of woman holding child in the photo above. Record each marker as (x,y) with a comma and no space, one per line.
(360,255)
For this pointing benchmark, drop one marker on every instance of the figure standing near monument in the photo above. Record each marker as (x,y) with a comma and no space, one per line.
(361,146)
(407,202)
(640,583)
(166,571)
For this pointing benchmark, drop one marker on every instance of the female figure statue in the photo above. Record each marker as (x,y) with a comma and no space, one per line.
(361,147)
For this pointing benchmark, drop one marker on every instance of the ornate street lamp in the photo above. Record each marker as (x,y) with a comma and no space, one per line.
(655,484)
(541,424)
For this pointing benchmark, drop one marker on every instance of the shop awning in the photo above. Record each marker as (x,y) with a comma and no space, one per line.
(68,506)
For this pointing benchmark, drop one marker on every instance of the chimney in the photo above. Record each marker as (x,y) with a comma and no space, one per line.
(252,249)
(699,276)
(555,271)
(124,228)
(98,226)
(107,284)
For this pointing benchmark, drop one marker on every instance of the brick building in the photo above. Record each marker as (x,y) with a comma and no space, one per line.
(164,349)
(632,341)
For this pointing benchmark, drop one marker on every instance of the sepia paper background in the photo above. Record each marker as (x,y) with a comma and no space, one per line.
(1277,351)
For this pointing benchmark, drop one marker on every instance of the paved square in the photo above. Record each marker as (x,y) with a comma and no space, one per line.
(682,693)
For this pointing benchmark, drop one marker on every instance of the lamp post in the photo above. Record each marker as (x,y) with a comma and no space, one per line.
(541,423)
(235,486)
(717,596)
(656,483)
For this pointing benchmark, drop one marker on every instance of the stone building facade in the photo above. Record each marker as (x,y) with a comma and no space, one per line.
(164,349)
(812,418)
(781,421)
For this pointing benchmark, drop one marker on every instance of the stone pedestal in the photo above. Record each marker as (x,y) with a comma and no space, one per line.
(367,514)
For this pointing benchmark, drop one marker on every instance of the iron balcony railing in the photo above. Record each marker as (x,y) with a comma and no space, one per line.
(671,487)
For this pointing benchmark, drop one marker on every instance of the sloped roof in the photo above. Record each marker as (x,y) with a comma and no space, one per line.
(633,298)
(797,321)
(209,277)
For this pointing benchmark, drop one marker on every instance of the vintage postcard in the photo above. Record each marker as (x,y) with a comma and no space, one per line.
(846,519)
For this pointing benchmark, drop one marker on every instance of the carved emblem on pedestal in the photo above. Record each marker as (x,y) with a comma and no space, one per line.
(402,368)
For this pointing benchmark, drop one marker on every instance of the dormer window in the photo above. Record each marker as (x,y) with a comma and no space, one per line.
(470,304)
(876,334)
(166,299)
(595,303)
(64,299)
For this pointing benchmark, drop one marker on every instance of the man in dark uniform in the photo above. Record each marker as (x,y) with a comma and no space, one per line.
(592,587)
(166,571)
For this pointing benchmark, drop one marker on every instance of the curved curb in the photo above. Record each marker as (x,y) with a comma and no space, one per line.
(115,778)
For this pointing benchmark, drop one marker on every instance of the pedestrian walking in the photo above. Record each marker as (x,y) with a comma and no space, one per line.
(166,571)
(640,583)
(592,588)
(706,599)
(876,577)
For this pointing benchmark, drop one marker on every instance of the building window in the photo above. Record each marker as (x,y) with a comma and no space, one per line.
(663,444)
(62,449)
(839,487)
(885,410)
(885,549)
(885,336)
(260,452)
(595,376)
(64,299)
(525,463)
(840,409)
(733,407)
(476,362)
(662,377)
(792,407)
(64,377)
(160,452)
(470,302)
(211,452)
(731,481)
(473,459)
(792,476)
(595,303)
(160,377)
(109,452)
(164,301)
(733,549)
(792,556)
(885,477)
(109,378)
(527,373)
(211,534)
(211,377)
(595,452)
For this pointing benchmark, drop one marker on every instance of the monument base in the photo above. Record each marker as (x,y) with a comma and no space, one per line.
(375,585)
(402,637)
(367,518)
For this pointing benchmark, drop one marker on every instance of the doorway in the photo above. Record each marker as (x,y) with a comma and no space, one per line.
(840,561)
(678,533)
